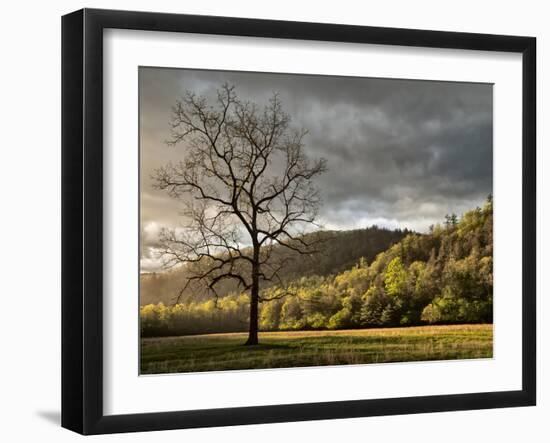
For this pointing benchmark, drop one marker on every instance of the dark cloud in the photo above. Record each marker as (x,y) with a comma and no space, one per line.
(400,152)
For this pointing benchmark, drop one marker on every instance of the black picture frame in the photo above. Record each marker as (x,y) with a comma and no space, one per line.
(82,218)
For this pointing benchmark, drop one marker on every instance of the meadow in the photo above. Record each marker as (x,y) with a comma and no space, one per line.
(219,352)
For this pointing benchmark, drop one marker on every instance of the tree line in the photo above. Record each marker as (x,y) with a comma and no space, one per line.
(442,277)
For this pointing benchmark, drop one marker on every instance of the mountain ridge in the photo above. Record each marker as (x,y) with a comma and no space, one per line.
(340,250)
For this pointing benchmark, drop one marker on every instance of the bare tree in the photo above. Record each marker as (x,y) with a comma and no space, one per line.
(246,185)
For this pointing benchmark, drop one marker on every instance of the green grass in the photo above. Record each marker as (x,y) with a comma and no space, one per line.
(220,352)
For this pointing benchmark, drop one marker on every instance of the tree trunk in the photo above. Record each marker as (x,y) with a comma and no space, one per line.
(254,299)
(253,328)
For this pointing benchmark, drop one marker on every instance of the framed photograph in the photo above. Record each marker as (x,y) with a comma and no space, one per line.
(269,221)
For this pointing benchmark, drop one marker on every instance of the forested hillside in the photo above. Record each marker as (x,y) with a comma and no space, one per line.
(337,251)
(442,277)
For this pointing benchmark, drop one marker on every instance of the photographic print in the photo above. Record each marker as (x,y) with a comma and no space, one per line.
(291,220)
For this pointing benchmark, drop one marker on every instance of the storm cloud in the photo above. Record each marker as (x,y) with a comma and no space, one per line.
(400,153)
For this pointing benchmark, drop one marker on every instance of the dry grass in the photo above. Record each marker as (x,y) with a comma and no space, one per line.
(217,352)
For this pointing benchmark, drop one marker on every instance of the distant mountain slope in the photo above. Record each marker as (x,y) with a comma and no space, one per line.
(442,277)
(340,250)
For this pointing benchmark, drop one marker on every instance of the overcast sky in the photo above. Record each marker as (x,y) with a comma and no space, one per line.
(400,153)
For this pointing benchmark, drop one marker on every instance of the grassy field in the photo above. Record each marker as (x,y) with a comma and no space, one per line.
(219,352)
